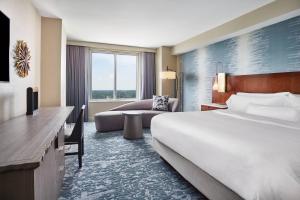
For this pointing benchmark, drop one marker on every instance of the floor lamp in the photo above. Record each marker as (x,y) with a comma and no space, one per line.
(170,75)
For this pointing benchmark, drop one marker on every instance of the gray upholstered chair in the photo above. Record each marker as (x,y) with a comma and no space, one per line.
(114,119)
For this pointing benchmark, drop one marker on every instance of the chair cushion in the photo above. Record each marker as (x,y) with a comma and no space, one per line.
(145,104)
(68,130)
(109,121)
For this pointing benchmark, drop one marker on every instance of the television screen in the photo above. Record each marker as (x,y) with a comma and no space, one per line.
(4,47)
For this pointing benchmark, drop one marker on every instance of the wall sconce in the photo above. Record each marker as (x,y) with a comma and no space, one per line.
(215,85)
(220,80)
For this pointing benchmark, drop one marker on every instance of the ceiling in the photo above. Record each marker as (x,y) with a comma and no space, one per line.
(144,23)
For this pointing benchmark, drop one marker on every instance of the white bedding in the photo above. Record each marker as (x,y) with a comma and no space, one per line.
(256,157)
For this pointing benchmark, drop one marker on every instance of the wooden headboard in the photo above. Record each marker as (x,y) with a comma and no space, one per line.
(259,83)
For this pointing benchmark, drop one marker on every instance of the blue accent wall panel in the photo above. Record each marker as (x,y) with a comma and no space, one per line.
(271,49)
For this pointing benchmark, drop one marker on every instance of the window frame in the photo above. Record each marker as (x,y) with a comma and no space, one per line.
(114,53)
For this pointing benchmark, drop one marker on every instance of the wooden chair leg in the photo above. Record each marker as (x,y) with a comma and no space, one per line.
(79,154)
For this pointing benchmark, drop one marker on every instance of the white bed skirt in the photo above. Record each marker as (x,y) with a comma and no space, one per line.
(205,183)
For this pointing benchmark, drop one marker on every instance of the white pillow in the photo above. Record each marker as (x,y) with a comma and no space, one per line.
(275,112)
(240,103)
(294,101)
(263,94)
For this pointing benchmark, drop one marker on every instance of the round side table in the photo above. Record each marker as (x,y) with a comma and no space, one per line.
(133,126)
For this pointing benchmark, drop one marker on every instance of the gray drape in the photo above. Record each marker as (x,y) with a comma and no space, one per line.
(148,75)
(76,83)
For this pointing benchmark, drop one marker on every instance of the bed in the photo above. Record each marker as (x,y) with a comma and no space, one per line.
(228,154)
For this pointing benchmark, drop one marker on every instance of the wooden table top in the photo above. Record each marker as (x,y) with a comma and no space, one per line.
(133,112)
(25,139)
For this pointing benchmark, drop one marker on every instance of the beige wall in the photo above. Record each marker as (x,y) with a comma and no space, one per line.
(25,24)
(95,107)
(165,58)
(53,63)
(270,13)
(158,63)
(63,70)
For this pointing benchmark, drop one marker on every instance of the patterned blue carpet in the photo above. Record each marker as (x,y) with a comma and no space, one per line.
(115,168)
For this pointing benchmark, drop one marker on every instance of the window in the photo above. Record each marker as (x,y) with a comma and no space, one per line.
(126,76)
(114,76)
(102,76)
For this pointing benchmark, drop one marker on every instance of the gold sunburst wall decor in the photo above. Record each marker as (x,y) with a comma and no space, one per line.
(22,58)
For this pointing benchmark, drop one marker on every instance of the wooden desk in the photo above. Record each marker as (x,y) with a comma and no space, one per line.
(32,155)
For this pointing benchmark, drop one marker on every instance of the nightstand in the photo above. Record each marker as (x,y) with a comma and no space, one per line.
(213,106)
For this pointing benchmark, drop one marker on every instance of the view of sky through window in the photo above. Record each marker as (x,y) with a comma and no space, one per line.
(104,73)
(126,74)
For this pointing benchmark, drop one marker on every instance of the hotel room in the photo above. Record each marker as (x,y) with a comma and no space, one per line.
(136,99)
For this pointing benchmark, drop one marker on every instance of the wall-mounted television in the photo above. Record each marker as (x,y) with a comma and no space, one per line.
(4,47)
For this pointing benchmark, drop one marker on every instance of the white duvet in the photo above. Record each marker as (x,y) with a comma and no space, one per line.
(256,157)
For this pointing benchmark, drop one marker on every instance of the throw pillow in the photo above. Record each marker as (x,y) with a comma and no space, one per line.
(160,103)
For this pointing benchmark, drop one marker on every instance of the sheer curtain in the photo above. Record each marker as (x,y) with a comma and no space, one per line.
(148,75)
(77,93)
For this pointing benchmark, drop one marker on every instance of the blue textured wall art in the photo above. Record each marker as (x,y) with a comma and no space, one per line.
(271,49)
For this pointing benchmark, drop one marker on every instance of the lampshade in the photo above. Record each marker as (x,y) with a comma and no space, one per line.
(168,75)
(215,85)
(221,82)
